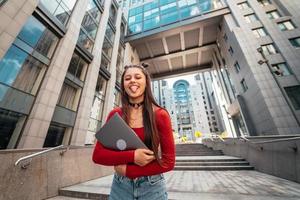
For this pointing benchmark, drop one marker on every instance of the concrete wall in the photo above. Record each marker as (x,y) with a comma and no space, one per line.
(46,173)
(281,159)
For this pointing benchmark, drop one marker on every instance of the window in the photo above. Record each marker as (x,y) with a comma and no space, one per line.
(113,14)
(293,93)
(67,97)
(273,14)
(117,99)
(225,37)
(244,85)
(107,48)
(231,50)
(98,105)
(250,18)
(119,66)
(54,136)
(269,49)
(89,26)
(260,32)
(281,69)
(237,67)
(295,42)
(286,25)
(243,5)
(36,35)
(78,67)
(21,71)
(60,9)
(264,2)
(10,128)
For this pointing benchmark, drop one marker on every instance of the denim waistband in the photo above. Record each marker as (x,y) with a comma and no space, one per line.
(151,179)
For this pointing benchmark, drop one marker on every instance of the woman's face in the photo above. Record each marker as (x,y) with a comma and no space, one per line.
(135,84)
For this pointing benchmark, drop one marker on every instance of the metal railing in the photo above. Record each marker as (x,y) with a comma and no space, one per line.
(26,160)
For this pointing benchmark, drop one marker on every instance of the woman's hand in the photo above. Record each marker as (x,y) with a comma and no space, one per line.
(143,156)
(120,169)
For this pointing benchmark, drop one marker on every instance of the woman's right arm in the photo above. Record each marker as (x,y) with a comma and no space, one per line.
(108,157)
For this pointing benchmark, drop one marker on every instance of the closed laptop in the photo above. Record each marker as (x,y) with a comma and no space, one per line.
(117,135)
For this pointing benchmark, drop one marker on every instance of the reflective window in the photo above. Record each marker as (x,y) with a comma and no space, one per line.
(286,25)
(237,67)
(151,23)
(264,2)
(281,69)
(54,136)
(113,14)
(21,71)
(244,85)
(135,19)
(273,14)
(120,60)
(67,97)
(251,18)
(78,67)
(110,34)
(98,105)
(117,99)
(294,95)
(189,11)
(259,32)
(295,42)
(105,63)
(89,26)
(107,48)
(136,28)
(269,49)
(151,5)
(169,18)
(151,13)
(10,127)
(168,8)
(243,5)
(135,11)
(61,9)
(164,2)
(35,34)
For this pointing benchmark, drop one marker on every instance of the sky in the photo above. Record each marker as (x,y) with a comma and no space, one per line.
(189,78)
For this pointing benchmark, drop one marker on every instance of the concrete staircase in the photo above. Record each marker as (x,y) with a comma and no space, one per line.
(194,157)
(190,158)
(196,150)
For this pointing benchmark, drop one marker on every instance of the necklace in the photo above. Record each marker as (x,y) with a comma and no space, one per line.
(136,105)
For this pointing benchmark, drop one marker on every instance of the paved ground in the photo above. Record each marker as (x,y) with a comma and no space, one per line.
(210,185)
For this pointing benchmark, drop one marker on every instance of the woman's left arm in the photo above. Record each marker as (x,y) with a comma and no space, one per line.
(164,126)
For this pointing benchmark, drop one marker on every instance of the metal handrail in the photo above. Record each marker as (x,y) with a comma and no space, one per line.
(277,140)
(24,165)
(244,138)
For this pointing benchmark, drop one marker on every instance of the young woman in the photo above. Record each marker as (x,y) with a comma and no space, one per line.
(138,173)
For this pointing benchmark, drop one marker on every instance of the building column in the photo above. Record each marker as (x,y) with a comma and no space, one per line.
(39,119)
(83,115)
(109,97)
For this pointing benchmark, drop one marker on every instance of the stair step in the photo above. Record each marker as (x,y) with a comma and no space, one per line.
(219,163)
(210,168)
(211,160)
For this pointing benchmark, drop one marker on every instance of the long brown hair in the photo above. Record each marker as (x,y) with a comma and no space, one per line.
(151,133)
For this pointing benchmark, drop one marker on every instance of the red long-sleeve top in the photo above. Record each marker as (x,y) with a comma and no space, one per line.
(109,157)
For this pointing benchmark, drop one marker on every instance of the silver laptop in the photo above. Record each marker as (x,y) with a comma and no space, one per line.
(117,135)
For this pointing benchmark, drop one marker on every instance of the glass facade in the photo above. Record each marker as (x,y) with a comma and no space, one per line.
(61,9)
(158,13)
(22,69)
(89,26)
(78,67)
(98,105)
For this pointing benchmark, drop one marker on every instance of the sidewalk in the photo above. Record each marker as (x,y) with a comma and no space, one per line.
(209,185)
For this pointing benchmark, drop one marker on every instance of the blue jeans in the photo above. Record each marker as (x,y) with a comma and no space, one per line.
(142,188)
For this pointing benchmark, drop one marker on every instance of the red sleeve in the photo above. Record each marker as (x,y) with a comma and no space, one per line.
(167,150)
(108,157)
